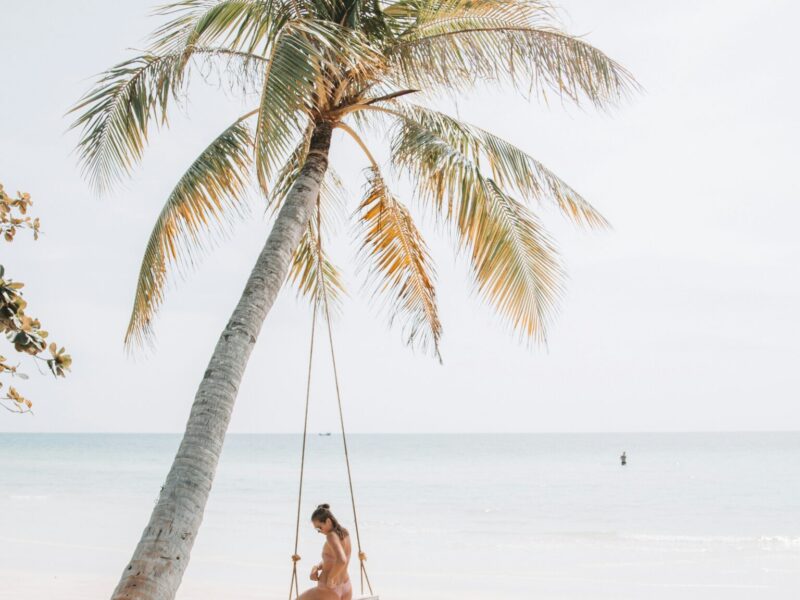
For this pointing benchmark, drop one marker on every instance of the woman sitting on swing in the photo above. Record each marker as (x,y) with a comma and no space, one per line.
(333,582)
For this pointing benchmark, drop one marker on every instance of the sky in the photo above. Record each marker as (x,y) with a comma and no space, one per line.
(683,317)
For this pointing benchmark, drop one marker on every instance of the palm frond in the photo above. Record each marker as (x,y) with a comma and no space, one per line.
(286,101)
(313,272)
(311,269)
(455,45)
(515,264)
(333,197)
(204,200)
(429,14)
(286,176)
(116,115)
(245,25)
(401,267)
(508,165)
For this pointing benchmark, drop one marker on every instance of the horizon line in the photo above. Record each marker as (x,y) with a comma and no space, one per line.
(332,433)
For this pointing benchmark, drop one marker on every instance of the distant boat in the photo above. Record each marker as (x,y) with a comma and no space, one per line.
(623,459)
(326,434)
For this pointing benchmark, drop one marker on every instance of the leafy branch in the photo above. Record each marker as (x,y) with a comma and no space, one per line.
(24,332)
(9,223)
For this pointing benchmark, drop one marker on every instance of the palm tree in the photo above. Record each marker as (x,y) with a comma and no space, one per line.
(320,65)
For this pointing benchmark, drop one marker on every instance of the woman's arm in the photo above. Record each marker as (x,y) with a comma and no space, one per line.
(339,566)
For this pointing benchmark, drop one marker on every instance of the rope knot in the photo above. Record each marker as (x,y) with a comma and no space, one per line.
(362,556)
(295,557)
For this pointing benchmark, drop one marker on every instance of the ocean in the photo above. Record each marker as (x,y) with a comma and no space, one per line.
(442,517)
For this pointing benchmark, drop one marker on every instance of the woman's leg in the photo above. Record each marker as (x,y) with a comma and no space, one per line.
(318,593)
(347,591)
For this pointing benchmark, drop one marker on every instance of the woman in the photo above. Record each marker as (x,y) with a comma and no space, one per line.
(333,582)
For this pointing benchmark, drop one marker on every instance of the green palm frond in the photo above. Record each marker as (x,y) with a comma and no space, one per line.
(307,57)
(246,25)
(455,45)
(286,101)
(508,165)
(400,266)
(204,201)
(515,264)
(116,115)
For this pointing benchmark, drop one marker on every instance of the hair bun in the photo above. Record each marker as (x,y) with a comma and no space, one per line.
(325,506)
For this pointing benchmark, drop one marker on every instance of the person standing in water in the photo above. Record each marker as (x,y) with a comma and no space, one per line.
(333,581)
(623,459)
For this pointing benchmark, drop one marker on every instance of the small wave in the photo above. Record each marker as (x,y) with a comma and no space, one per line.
(781,539)
(770,540)
(27,497)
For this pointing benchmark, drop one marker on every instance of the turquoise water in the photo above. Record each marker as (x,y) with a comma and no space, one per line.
(442,516)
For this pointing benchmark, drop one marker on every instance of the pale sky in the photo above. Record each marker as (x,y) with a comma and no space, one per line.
(683,317)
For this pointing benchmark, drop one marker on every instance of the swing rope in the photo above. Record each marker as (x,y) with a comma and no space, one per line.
(296,557)
(362,557)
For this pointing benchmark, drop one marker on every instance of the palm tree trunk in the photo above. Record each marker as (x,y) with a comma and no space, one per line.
(160,558)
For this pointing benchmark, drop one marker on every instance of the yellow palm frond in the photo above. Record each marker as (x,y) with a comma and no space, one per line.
(400,265)
(203,201)
(515,264)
